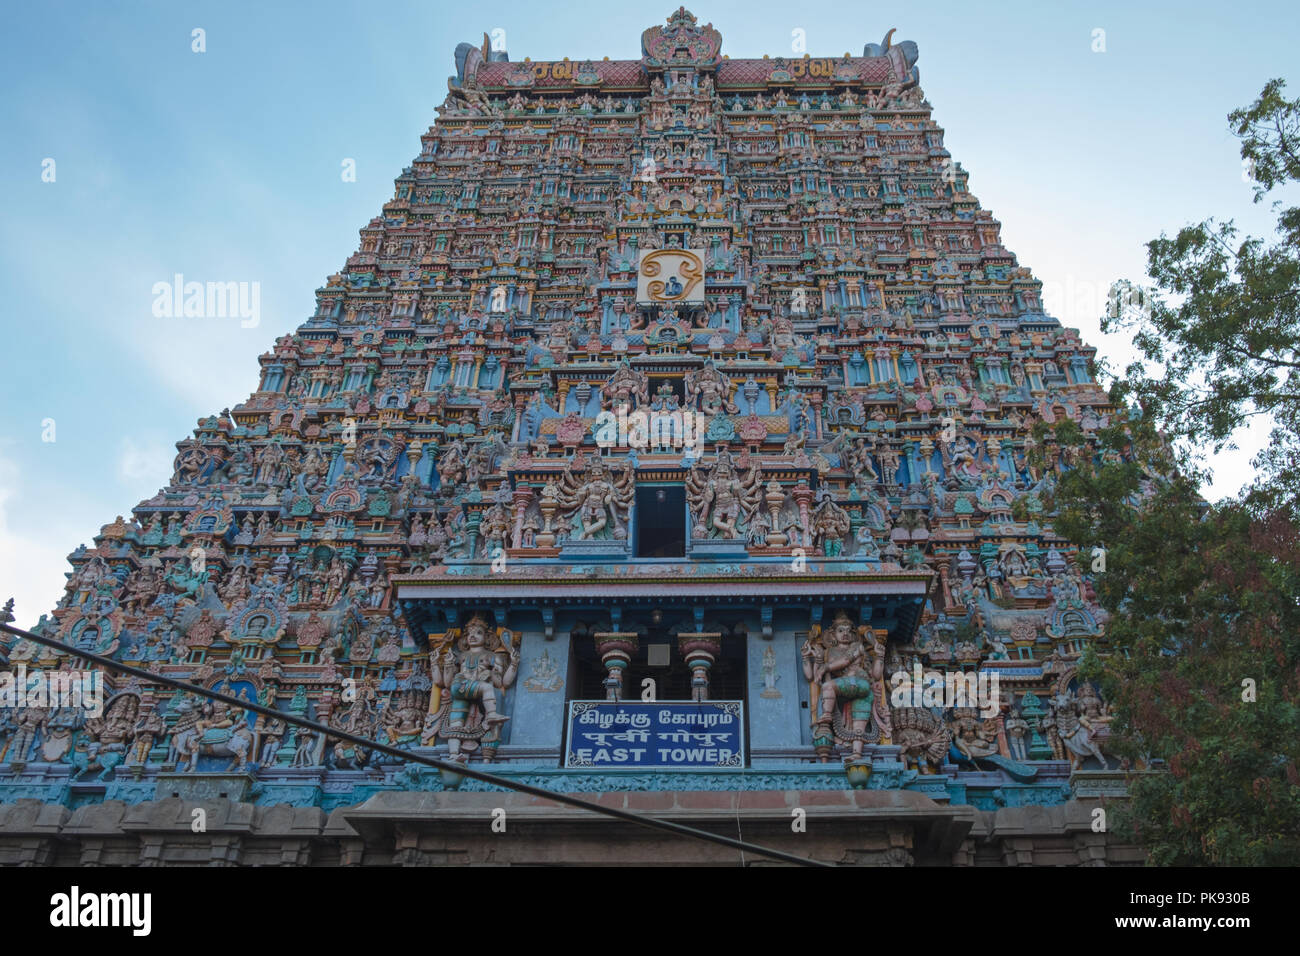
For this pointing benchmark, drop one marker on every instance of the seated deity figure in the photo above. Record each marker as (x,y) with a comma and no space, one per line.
(665,399)
(972,736)
(218,724)
(842,668)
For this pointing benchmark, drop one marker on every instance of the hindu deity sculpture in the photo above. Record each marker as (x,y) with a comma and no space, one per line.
(973,737)
(596,501)
(271,466)
(472,672)
(830,527)
(29,723)
(189,465)
(922,736)
(403,720)
(627,387)
(495,528)
(709,391)
(185,580)
(1017,727)
(1081,724)
(142,588)
(148,730)
(451,464)
(210,729)
(857,457)
(721,502)
(845,666)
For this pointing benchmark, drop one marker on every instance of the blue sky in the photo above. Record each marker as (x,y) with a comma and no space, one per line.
(225,166)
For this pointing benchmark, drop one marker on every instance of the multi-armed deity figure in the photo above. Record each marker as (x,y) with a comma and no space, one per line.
(721,502)
(845,663)
(709,390)
(627,387)
(472,673)
(596,501)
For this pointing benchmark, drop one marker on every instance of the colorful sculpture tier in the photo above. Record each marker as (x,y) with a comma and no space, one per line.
(699,371)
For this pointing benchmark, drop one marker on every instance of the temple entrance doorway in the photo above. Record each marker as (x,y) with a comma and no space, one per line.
(658,657)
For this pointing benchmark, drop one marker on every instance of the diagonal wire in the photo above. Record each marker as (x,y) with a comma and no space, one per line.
(640,819)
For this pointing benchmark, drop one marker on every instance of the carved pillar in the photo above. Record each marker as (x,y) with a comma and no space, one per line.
(475,519)
(802,495)
(615,649)
(880,706)
(522,496)
(927,452)
(700,649)
(1032,710)
(775,498)
(943,563)
(1004,748)
(817,398)
(414,452)
(549,506)
(521,403)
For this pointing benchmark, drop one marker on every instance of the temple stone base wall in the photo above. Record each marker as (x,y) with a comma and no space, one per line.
(855,828)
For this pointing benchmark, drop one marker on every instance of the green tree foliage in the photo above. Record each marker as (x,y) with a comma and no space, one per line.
(1220,336)
(1203,640)
(1202,599)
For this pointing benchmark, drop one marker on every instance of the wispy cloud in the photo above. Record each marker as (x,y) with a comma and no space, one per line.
(144,460)
(31,568)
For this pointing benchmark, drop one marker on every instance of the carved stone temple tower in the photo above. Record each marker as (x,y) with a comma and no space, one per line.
(672,412)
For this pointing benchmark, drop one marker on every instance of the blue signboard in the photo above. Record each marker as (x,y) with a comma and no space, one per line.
(667,733)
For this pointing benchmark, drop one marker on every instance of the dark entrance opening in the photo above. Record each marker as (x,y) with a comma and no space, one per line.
(660,521)
(658,656)
(660,388)
(673,680)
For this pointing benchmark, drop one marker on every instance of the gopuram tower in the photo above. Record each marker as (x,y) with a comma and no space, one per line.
(670,426)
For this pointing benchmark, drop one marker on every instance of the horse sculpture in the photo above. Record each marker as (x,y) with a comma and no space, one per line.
(88,754)
(218,734)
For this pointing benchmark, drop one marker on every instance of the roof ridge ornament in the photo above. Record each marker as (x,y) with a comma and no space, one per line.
(902,57)
(682,41)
